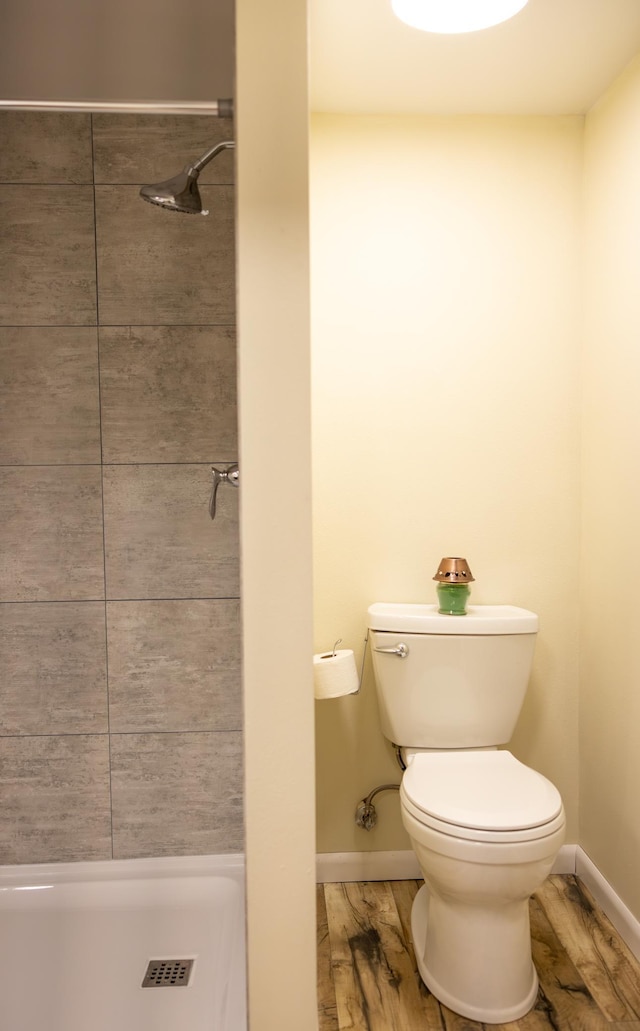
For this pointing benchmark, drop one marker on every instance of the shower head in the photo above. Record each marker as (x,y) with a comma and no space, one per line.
(181,193)
(178,194)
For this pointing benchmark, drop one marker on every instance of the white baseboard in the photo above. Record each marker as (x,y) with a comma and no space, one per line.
(397,866)
(565,860)
(367,866)
(625,923)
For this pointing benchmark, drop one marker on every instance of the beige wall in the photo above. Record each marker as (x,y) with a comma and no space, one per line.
(445,315)
(610,677)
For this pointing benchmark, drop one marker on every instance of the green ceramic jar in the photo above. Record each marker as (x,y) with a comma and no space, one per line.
(452,599)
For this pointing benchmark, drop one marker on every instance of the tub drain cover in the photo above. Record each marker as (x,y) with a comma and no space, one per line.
(168,973)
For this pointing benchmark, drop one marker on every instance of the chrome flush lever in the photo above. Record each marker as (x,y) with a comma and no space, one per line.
(400,650)
(229,475)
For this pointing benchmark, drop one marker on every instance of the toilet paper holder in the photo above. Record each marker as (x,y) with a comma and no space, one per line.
(400,650)
(330,655)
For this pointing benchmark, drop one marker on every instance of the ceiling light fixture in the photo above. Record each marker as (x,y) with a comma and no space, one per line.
(451,16)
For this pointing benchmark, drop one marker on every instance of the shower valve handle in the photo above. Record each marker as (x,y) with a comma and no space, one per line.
(229,475)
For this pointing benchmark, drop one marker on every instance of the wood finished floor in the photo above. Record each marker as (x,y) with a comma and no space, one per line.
(368,980)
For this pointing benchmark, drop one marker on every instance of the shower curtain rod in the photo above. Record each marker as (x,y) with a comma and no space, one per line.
(216,108)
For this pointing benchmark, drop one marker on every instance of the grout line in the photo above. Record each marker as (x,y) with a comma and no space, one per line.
(127,325)
(201,182)
(52,465)
(199,462)
(56,186)
(114,733)
(93,183)
(104,534)
(113,465)
(118,325)
(95,221)
(84,601)
(222,597)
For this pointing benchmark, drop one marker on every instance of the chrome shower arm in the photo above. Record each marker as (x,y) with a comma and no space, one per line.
(198,165)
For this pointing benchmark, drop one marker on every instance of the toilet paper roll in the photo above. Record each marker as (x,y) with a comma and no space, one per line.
(335,674)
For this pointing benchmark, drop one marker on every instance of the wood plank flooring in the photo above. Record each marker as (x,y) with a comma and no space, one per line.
(368,979)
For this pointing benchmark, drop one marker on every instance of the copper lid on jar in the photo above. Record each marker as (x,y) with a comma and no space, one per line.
(454,571)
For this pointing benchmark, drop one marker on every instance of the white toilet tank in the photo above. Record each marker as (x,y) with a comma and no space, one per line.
(451,681)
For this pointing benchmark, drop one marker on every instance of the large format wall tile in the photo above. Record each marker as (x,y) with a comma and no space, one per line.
(51,545)
(49,406)
(161,268)
(54,799)
(160,541)
(166,352)
(47,256)
(174,665)
(168,393)
(151,148)
(45,147)
(54,669)
(176,794)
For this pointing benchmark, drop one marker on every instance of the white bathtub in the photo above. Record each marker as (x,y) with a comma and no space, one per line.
(76,939)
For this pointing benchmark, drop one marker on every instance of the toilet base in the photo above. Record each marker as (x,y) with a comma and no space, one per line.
(472,967)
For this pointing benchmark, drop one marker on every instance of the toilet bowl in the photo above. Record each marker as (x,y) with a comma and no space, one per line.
(486,830)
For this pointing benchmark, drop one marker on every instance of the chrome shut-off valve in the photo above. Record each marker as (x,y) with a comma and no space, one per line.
(229,475)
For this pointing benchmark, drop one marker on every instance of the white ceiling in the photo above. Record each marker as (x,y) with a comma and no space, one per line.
(555,57)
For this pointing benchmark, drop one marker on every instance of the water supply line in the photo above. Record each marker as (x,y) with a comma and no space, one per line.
(366,815)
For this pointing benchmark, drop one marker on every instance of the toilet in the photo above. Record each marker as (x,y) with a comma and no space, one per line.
(486,829)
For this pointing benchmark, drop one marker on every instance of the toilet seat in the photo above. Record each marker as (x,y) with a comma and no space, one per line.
(481,796)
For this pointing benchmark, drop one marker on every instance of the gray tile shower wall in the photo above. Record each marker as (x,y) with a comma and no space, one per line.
(120,682)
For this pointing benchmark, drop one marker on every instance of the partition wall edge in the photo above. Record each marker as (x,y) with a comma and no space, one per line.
(275,521)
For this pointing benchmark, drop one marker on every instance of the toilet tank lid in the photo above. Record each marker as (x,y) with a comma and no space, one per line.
(425,619)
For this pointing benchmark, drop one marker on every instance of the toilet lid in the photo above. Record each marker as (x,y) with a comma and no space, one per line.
(487,791)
